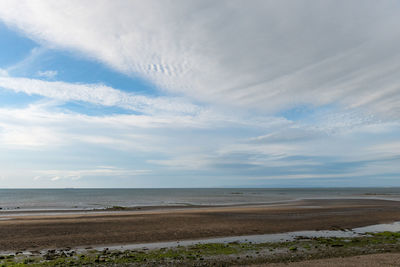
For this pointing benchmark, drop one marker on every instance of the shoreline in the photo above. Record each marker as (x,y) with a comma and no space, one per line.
(127,209)
(6,208)
(47,231)
(4,212)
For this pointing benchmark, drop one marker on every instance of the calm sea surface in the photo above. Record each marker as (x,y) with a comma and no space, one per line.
(49,199)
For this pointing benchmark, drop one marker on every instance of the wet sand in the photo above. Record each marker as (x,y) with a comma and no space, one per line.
(34,232)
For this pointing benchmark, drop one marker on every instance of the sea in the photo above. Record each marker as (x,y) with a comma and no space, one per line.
(88,199)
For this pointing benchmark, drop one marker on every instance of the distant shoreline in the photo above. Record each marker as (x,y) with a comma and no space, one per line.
(125,209)
(169,207)
(86,200)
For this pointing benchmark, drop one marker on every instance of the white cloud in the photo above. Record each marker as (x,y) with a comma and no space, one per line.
(96,94)
(3,72)
(56,178)
(177,144)
(291,134)
(49,74)
(44,125)
(24,64)
(391,148)
(36,127)
(55,175)
(23,136)
(259,54)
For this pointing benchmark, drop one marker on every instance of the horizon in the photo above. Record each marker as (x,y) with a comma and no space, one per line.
(199,94)
(151,188)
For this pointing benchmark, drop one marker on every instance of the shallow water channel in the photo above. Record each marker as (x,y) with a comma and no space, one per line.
(280,237)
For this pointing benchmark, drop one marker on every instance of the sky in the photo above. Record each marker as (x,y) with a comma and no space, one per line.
(199,93)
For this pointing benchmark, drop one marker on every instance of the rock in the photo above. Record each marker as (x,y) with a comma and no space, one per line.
(49,257)
(71,253)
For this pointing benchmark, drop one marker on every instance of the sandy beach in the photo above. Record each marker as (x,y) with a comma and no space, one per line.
(43,231)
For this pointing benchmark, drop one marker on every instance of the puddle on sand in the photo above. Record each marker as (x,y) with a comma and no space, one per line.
(391,227)
(241,239)
(281,237)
